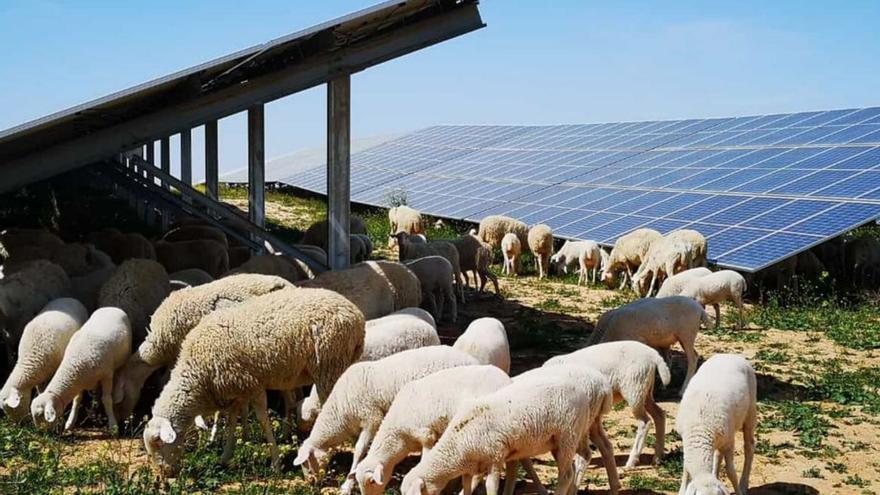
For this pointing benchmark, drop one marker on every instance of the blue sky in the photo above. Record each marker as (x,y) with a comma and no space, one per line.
(536,62)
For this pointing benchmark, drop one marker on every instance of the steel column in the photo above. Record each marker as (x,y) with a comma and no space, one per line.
(338,171)
(211,160)
(186,156)
(257,165)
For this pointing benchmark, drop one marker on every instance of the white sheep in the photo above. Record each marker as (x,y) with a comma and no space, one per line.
(540,239)
(418,416)
(361,397)
(137,287)
(721,400)
(556,409)
(208,255)
(486,340)
(696,243)
(665,258)
(435,277)
(658,323)
(40,351)
(511,248)
(93,354)
(718,287)
(405,219)
(173,320)
(377,288)
(630,366)
(628,254)
(234,355)
(673,285)
(494,227)
(409,251)
(587,254)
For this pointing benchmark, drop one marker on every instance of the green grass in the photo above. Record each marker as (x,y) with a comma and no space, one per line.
(806,420)
(640,481)
(860,387)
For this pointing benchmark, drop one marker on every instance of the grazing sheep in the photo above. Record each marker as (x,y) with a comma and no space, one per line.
(435,277)
(368,245)
(400,331)
(541,244)
(486,340)
(41,242)
(85,288)
(91,357)
(173,320)
(377,288)
(630,366)
(137,287)
(658,323)
(196,232)
(511,248)
(588,255)
(494,227)
(696,244)
(361,397)
(412,238)
(418,416)
(270,264)
(627,255)
(410,251)
(505,426)
(673,285)
(721,400)
(358,250)
(475,256)
(715,288)
(121,247)
(238,255)
(40,352)
(235,355)
(208,255)
(318,232)
(665,258)
(191,277)
(23,294)
(405,219)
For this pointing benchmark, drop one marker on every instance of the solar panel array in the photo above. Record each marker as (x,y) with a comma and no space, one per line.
(760,188)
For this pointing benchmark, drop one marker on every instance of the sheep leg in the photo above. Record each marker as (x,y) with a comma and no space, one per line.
(71,419)
(260,407)
(716,463)
(566,471)
(360,450)
(600,438)
(641,435)
(749,449)
(510,477)
(493,480)
(730,467)
(107,401)
(289,411)
(494,280)
(533,475)
(466,484)
(691,353)
(453,304)
(229,446)
(659,418)
(717,315)
(430,304)
(682,490)
(214,427)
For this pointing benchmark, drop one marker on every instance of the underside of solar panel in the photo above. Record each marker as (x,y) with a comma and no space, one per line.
(759,188)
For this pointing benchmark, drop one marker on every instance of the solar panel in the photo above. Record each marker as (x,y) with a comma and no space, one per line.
(760,188)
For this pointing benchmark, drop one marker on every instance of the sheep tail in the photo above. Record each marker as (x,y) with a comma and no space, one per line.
(662,368)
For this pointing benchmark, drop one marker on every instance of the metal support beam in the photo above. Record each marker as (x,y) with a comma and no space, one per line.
(338,171)
(212,177)
(186,158)
(257,165)
(165,155)
(150,157)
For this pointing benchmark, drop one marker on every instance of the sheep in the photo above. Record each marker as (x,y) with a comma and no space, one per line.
(630,366)
(695,241)
(24,293)
(588,255)
(208,255)
(409,251)
(439,224)
(724,285)
(673,285)
(368,245)
(475,255)
(316,254)
(121,247)
(721,400)
(95,351)
(270,264)
(360,398)
(235,355)
(85,288)
(486,340)
(541,244)
(377,288)
(511,248)
(418,416)
(173,320)
(506,426)
(405,219)
(435,277)
(137,287)
(317,233)
(196,232)
(494,227)
(238,255)
(402,330)
(412,238)
(40,352)
(32,243)
(358,250)
(665,258)
(658,323)
(191,277)
(628,253)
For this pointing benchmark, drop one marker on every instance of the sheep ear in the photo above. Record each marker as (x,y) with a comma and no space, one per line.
(49,412)
(14,399)
(166,432)
(377,473)
(303,454)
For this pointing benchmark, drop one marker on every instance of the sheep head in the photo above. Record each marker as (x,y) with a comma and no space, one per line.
(14,404)
(706,484)
(163,445)
(46,409)
(372,477)
(310,457)
(416,483)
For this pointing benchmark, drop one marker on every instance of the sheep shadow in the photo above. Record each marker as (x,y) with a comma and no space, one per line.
(782,488)
(772,388)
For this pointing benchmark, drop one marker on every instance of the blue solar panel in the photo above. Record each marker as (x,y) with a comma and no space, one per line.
(760,188)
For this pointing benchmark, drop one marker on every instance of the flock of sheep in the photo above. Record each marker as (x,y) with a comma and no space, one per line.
(116,310)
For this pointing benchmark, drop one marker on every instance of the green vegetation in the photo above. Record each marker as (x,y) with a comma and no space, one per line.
(860,387)
(805,420)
